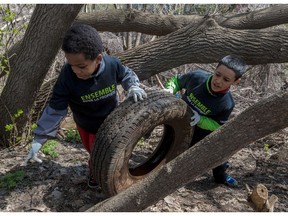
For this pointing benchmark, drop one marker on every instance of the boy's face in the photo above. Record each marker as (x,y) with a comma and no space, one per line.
(82,67)
(223,78)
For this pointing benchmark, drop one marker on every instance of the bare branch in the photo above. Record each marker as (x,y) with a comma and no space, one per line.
(154,24)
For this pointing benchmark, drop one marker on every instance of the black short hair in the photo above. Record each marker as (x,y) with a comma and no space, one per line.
(234,63)
(81,38)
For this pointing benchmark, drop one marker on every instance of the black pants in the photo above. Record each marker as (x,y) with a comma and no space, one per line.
(219,173)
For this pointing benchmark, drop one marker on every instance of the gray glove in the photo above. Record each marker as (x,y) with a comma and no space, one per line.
(33,153)
(195,118)
(137,93)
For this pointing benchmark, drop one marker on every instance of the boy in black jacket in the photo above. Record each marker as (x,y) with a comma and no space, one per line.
(88,85)
(211,101)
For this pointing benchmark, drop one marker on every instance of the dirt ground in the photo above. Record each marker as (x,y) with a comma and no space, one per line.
(60,184)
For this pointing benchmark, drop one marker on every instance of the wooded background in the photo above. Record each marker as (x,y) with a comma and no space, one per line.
(156,41)
(152,39)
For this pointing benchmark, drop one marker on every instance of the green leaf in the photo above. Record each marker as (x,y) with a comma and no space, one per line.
(9,127)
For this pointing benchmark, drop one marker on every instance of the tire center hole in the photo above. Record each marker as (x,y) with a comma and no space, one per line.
(149,151)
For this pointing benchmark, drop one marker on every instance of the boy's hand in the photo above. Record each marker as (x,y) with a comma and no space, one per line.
(169,90)
(137,93)
(33,154)
(195,118)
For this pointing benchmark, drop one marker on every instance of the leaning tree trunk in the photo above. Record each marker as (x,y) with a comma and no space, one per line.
(122,20)
(206,43)
(40,44)
(254,123)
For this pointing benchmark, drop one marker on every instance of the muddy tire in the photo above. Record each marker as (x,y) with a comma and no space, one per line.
(125,127)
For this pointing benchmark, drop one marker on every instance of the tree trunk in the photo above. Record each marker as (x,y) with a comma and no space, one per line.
(206,43)
(121,20)
(154,24)
(129,37)
(258,199)
(39,46)
(253,123)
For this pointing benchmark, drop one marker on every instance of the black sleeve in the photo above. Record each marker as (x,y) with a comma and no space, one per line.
(61,91)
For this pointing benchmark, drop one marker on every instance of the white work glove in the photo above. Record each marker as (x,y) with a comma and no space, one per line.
(137,93)
(195,118)
(169,90)
(33,153)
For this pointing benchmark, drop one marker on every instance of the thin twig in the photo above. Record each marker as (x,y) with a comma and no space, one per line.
(159,81)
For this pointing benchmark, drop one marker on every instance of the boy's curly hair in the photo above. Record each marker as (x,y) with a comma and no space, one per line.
(81,38)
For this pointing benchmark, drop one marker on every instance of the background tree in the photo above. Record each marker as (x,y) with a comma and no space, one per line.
(30,65)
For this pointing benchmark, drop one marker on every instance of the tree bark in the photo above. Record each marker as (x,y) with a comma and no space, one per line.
(154,24)
(206,43)
(253,123)
(268,17)
(121,20)
(190,44)
(37,50)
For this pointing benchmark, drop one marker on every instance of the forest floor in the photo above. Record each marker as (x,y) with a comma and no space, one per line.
(60,184)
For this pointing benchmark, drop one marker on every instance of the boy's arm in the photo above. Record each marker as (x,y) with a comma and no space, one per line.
(172,85)
(126,77)
(130,82)
(208,123)
(129,79)
(56,110)
(48,124)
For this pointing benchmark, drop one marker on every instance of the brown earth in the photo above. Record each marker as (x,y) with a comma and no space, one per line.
(60,184)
